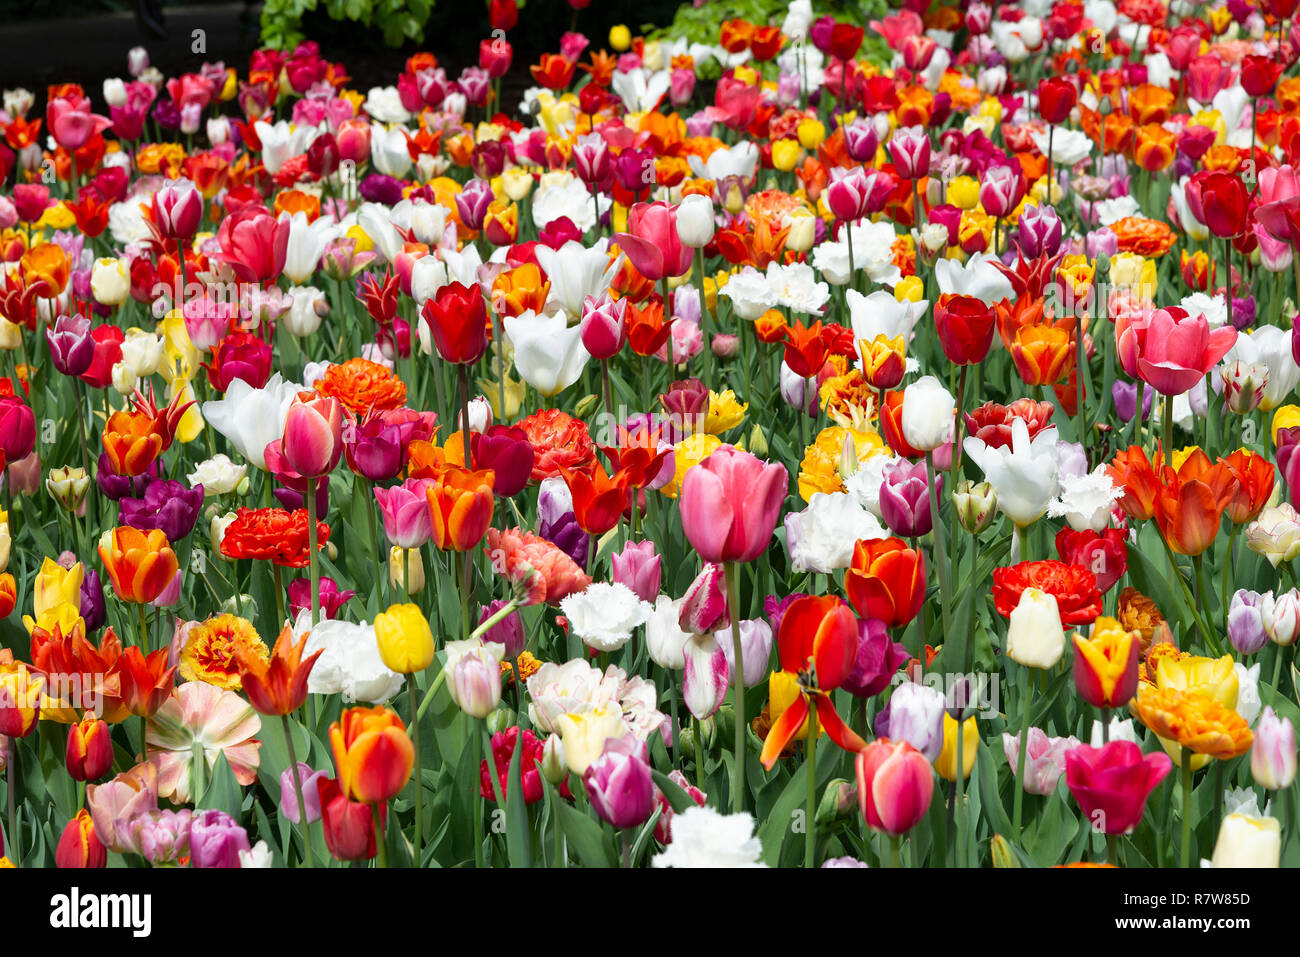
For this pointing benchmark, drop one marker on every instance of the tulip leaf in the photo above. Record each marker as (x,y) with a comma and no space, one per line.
(990,795)
(774,830)
(517,832)
(678,799)
(585,836)
(223,792)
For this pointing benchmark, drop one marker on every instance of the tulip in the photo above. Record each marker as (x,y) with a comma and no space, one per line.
(460,506)
(695,224)
(254,244)
(877,660)
(1246,841)
(306,784)
(216,840)
(904,499)
(313,436)
(1281,616)
(910,150)
(1056,98)
(89,753)
(1035,637)
(405,640)
(1112,783)
(1246,623)
(652,243)
(372,753)
(895,785)
(79,846)
(349,826)
(965,325)
(638,567)
(603,326)
(72,348)
(619,785)
(1001,191)
(131,793)
(507,632)
(730,503)
(1273,752)
(914,714)
(404,510)
(1106,664)
(886,581)
(177,210)
(705,606)
(1045,761)
(457,318)
(474,675)
(140,564)
(928,414)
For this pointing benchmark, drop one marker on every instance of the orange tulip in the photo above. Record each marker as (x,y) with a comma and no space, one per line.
(1191,502)
(131,442)
(21,689)
(1042,354)
(1137,476)
(598,498)
(519,290)
(141,564)
(49,263)
(146,680)
(460,502)
(1150,105)
(373,754)
(886,580)
(1255,476)
(1155,147)
(277,686)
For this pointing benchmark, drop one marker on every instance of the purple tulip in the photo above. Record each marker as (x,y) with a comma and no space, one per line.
(116,486)
(905,499)
(473,201)
(1246,622)
(619,784)
(92,600)
(308,779)
(755,649)
(914,714)
(1101,242)
(374,449)
(72,348)
(167,505)
(557,523)
(509,631)
(639,568)
(1040,231)
(216,840)
(877,659)
(1125,396)
(378,188)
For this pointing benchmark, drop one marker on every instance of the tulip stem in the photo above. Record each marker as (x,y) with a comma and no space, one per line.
(738,676)
(940,547)
(478,802)
(707,351)
(381,845)
(431,693)
(1167,426)
(810,764)
(1020,752)
(297,790)
(959,786)
(1185,851)
(279,596)
(314,568)
(11,778)
(419,779)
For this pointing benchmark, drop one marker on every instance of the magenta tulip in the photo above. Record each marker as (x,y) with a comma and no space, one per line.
(652,243)
(604,326)
(638,567)
(1112,783)
(1180,349)
(895,785)
(405,511)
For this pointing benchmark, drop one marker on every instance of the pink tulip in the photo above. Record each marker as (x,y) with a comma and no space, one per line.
(1001,190)
(706,676)
(177,210)
(1044,761)
(1279,203)
(1179,350)
(704,606)
(1112,783)
(604,326)
(313,436)
(638,567)
(895,785)
(910,151)
(849,194)
(730,503)
(652,243)
(254,244)
(405,511)
(71,123)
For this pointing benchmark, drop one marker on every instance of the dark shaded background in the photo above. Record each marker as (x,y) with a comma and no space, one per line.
(56,41)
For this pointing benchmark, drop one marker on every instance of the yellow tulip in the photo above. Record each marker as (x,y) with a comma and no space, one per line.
(405,641)
(946,762)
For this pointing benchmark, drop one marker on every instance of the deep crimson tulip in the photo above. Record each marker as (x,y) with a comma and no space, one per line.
(845,40)
(505,450)
(965,325)
(1056,98)
(240,355)
(457,317)
(349,825)
(1259,74)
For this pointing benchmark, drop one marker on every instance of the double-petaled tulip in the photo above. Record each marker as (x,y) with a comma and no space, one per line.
(405,641)
(652,242)
(1112,783)
(457,319)
(89,753)
(895,785)
(1106,664)
(277,685)
(373,754)
(965,325)
(730,503)
(140,564)
(886,581)
(313,435)
(818,644)
(460,508)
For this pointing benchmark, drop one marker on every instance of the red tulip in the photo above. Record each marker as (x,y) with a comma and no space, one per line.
(652,243)
(1220,201)
(965,325)
(254,244)
(1056,98)
(457,317)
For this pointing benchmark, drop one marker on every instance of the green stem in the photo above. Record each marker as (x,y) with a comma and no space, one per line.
(313,564)
(940,546)
(1185,851)
(419,779)
(810,836)
(1020,756)
(297,790)
(380,843)
(738,673)
(478,805)
(11,778)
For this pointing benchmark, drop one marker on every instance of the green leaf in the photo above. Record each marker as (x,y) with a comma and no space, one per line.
(223,792)
(517,830)
(585,836)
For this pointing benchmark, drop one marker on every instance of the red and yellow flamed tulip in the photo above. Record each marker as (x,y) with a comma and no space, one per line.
(278,685)
(140,564)
(460,505)
(1106,664)
(373,754)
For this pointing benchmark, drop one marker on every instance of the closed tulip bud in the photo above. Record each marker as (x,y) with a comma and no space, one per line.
(1273,752)
(946,763)
(895,785)
(313,435)
(724,345)
(603,326)
(474,676)
(308,780)
(124,379)
(704,608)
(110,282)
(1281,616)
(405,641)
(839,800)
(638,567)
(349,826)
(68,487)
(1035,638)
(695,225)
(554,767)
(785,154)
(758,442)
(406,569)
(1246,841)
(914,714)
(976,504)
(79,846)
(1003,854)
(928,414)
(372,753)
(89,753)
